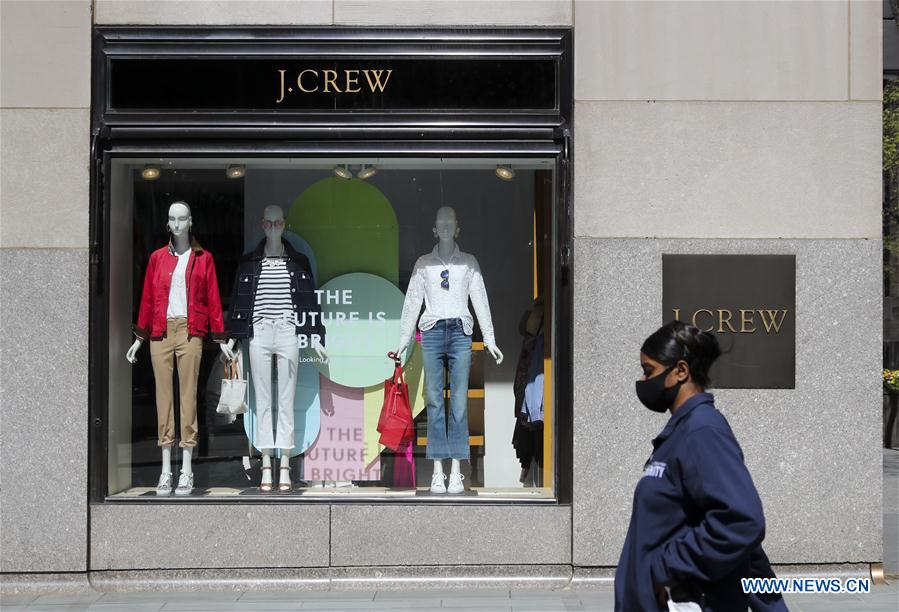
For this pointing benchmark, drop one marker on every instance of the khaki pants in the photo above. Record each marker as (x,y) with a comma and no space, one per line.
(174,348)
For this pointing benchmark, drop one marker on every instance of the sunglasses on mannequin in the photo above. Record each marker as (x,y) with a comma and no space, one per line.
(445,282)
(266,224)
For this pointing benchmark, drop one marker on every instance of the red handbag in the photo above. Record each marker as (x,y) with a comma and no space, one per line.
(395,423)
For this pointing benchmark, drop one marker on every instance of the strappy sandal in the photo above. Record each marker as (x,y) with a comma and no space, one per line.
(265,486)
(282,485)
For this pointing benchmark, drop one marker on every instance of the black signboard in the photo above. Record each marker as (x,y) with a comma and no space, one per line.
(749,302)
(237,84)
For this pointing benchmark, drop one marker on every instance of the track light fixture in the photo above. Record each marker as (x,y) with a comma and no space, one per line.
(505,172)
(235,171)
(366,172)
(343,172)
(150,173)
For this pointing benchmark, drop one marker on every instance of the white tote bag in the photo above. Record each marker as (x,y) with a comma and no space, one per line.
(234,391)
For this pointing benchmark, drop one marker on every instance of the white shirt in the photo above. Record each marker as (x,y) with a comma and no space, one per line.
(178,289)
(273,299)
(465,281)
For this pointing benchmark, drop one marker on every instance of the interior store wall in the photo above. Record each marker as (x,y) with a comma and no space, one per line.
(699,127)
(121,289)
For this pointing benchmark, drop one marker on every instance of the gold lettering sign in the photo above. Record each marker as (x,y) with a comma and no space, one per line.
(350,81)
(723,320)
(749,303)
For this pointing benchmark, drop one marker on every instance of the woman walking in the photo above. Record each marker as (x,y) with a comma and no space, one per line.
(697,523)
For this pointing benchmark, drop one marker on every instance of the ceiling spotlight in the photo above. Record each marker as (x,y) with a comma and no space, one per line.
(150,173)
(505,172)
(343,172)
(367,173)
(235,172)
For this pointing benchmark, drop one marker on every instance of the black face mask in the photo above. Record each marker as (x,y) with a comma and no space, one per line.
(653,393)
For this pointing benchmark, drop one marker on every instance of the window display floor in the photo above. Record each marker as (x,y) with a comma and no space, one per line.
(331,492)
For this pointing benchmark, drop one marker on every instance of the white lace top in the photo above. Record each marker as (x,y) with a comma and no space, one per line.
(465,281)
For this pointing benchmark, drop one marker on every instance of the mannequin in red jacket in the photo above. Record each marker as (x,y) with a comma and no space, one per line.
(180,305)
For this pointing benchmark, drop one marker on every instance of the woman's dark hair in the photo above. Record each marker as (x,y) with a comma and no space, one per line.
(678,341)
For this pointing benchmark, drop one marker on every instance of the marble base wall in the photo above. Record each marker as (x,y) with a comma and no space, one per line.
(450,535)
(250,536)
(43,410)
(813,451)
(193,536)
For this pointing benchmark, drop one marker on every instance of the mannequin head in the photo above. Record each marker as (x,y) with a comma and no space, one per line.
(180,221)
(273,223)
(446,226)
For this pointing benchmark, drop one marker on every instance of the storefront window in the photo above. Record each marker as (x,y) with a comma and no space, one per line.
(309,272)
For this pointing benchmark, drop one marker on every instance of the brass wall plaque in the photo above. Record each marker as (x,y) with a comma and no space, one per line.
(749,302)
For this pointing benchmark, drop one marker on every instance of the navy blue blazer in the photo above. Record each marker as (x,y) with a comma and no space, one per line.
(697,522)
(302,292)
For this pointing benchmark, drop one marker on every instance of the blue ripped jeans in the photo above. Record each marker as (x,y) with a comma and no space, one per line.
(446,346)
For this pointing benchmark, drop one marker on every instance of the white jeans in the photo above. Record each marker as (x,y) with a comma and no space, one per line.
(274,339)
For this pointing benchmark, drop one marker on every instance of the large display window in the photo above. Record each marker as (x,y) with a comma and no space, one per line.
(306,284)
(331,264)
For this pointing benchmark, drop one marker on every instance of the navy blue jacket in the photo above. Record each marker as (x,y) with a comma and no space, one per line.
(697,521)
(302,292)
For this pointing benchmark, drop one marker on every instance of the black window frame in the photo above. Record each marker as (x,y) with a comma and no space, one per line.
(424,133)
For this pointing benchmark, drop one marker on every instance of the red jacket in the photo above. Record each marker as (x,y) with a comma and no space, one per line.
(204,306)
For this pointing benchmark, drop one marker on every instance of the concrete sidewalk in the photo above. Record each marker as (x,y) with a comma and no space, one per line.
(882,598)
(891,512)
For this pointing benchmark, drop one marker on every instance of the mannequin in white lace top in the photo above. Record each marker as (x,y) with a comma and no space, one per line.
(444,280)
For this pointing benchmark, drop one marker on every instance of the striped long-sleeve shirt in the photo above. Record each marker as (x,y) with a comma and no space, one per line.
(273,291)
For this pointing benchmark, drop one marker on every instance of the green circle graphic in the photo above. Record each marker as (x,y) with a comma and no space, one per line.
(361,313)
(350,226)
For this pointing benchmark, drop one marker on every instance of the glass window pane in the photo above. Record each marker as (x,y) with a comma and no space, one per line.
(316,269)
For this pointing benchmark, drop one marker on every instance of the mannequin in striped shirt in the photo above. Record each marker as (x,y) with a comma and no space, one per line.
(275,330)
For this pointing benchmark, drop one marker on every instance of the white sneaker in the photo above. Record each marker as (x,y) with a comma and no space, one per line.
(185,484)
(165,484)
(437,485)
(455,485)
